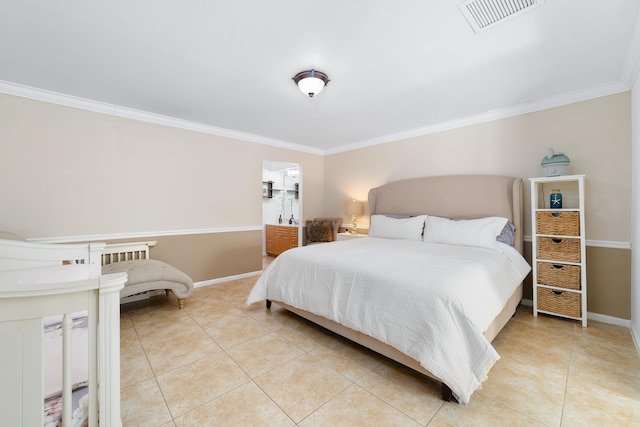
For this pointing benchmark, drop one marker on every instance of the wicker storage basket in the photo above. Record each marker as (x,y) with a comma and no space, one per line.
(559,249)
(560,302)
(559,275)
(558,223)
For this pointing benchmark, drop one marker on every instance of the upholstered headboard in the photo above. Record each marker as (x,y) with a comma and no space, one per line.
(454,196)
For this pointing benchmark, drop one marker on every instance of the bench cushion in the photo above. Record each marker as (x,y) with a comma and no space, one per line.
(149,275)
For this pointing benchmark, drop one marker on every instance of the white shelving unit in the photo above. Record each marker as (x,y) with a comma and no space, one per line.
(559,248)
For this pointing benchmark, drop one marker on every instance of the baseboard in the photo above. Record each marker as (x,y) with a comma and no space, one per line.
(594,316)
(226,279)
(609,319)
(635,334)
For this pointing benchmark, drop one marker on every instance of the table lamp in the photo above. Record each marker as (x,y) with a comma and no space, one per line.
(354,208)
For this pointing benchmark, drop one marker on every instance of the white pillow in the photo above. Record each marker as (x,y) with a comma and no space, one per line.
(397,228)
(467,232)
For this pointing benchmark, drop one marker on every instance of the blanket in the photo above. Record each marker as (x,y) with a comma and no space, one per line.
(430,301)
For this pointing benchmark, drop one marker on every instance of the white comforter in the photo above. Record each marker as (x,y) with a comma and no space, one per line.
(430,301)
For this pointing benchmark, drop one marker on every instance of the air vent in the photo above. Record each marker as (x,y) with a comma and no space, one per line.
(485,14)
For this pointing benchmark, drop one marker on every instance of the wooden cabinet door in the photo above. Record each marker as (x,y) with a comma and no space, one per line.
(270,242)
(279,239)
(293,238)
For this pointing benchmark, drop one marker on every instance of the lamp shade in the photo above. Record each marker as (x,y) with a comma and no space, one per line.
(354,208)
(311,82)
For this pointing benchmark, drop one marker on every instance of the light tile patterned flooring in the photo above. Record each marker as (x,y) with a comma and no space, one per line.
(219,363)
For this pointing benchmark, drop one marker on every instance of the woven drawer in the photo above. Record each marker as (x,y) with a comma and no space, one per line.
(559,275)
(567,249)
(560,302)
(558,223)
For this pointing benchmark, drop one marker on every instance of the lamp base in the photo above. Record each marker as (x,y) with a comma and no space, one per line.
(354,226)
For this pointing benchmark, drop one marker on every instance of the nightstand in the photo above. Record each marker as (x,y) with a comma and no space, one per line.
(348,236)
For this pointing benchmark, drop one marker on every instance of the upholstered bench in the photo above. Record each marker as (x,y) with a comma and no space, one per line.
(149,275)
(145,274)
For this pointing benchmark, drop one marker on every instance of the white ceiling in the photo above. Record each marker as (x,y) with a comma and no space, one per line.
(397,68)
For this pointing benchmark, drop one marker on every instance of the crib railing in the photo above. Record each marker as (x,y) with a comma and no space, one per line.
(19,255)
(22,311)
(116,252)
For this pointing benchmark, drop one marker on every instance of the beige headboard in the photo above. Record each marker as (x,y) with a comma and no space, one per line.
(454,196)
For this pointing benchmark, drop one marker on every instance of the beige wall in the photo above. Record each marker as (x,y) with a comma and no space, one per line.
(67,173)
(595,134)
(208,256)
(635,287)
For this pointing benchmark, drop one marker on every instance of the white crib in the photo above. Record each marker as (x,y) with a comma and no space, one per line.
(42,280)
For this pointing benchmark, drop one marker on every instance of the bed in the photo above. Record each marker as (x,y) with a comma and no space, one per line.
(430,288)
(58,284)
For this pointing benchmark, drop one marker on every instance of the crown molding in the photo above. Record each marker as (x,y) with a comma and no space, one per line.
(597,91)
(23,91)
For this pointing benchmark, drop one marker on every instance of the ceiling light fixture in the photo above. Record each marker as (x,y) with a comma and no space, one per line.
(311,82)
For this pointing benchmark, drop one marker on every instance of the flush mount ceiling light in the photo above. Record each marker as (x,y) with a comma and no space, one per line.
(311,82)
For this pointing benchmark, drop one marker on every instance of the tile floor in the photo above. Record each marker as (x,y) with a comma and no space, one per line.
(219,363)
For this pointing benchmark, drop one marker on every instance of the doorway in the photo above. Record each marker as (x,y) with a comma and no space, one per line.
(281,196)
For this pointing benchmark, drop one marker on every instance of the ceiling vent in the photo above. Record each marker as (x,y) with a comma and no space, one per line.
(485,14)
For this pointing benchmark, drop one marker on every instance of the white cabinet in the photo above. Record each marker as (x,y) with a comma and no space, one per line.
(558,247)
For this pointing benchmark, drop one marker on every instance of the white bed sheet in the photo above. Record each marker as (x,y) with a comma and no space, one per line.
(430,301)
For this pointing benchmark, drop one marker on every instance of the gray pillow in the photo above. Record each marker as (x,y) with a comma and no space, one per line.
(508,234)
